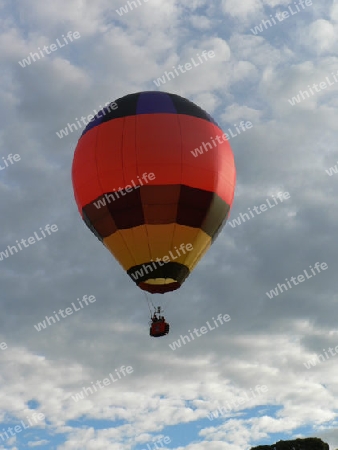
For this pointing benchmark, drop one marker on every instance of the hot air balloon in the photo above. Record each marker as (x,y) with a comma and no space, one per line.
(154,181)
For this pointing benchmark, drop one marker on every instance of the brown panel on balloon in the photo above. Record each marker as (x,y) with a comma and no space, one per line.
(193,206)
(105,226)
(157,205)
(160,203)
(218,211)
(125,210)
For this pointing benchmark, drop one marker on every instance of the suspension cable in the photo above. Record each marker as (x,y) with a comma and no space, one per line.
(163,309)
(149,300)
(165,304)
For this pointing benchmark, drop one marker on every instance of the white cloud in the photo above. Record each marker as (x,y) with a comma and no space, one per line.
(242,10)
(321,36)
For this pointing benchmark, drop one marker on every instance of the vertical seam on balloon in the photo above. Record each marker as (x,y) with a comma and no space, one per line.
(135,151)
(121,150)
(95,158)
(199,230)
(216,161)
(201,252)
(137,172)
(216,182)
(132,229)
(186,256)
(145,225)
(181,180)
(98,177)
(175,223)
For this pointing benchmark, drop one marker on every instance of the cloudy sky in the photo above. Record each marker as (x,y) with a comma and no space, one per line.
(253,372)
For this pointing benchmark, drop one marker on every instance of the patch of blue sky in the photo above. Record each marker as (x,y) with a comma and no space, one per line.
(31,435)
(247,413)
(97,424)
(260,411)
(10,10)
(33,404)
(180,435)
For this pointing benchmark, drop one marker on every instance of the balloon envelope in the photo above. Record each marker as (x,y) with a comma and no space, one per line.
(145,191)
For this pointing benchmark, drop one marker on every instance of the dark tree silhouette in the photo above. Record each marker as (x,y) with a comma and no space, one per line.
(296,444)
